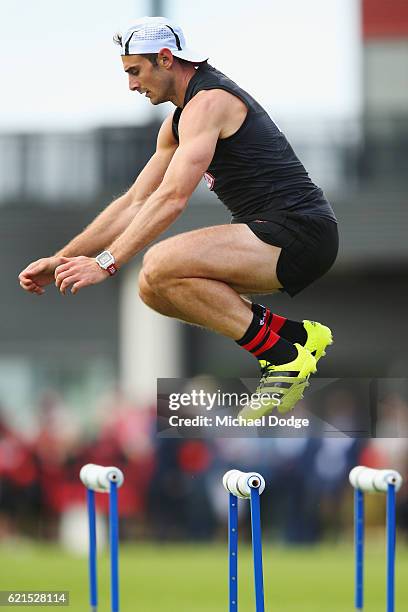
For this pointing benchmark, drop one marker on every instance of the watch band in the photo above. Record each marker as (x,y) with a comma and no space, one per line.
(112,269)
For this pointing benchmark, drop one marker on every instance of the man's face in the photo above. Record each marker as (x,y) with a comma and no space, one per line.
(154,81)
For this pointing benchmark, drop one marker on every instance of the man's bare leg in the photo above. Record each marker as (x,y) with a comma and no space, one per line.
(209,303)
(168,309)
(202,274)
(156,302)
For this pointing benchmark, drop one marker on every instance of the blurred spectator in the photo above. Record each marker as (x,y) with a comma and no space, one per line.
(172,488)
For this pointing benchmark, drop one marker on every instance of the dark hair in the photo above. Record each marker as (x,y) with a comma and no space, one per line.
(152,57)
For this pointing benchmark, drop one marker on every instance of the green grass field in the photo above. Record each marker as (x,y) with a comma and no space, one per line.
(193,578)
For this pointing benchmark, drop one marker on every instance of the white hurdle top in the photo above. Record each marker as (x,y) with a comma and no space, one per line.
(370,480)
(240,483)
(98,478)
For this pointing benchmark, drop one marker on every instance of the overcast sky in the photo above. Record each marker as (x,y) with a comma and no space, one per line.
(60,69)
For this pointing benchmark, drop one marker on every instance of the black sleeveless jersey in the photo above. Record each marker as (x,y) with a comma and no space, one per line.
(255,172)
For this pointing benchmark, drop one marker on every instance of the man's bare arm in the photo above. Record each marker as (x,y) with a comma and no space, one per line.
(200,126)
(112,221)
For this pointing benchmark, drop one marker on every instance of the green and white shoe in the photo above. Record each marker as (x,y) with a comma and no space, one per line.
(281,386)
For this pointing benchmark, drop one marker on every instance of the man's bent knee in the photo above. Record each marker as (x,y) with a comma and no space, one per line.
(156,268)
(151,299)
(145,292)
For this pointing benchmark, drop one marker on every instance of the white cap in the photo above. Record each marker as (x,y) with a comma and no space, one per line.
(151,34)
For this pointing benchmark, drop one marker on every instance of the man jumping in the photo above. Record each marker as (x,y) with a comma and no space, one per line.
(283,234)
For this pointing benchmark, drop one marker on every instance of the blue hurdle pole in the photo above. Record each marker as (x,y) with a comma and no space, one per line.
(257,549)
(114,545)
(93,585)
(391,530)
(233,552)
(359,547)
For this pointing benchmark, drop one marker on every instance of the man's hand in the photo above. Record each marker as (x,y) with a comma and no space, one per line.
(79,272)
(38,274)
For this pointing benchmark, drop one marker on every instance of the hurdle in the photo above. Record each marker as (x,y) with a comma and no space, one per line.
(244,485)
(99,479)
(364,480)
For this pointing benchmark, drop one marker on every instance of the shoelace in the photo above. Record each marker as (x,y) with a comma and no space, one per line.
(264,375)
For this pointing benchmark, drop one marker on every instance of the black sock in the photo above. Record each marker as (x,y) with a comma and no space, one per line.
(265,344)
(292,331)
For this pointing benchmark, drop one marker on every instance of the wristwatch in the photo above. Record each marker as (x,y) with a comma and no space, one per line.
(107,262)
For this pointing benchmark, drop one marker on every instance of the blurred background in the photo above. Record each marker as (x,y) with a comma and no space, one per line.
(77,375)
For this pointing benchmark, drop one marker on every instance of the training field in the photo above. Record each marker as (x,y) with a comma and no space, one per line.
(193,578)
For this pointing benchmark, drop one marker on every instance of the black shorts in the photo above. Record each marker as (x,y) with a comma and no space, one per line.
(309,247)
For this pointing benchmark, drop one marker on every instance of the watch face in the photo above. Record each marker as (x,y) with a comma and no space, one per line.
(105,258)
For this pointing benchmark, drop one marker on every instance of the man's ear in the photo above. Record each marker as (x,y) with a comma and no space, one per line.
(165,58)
